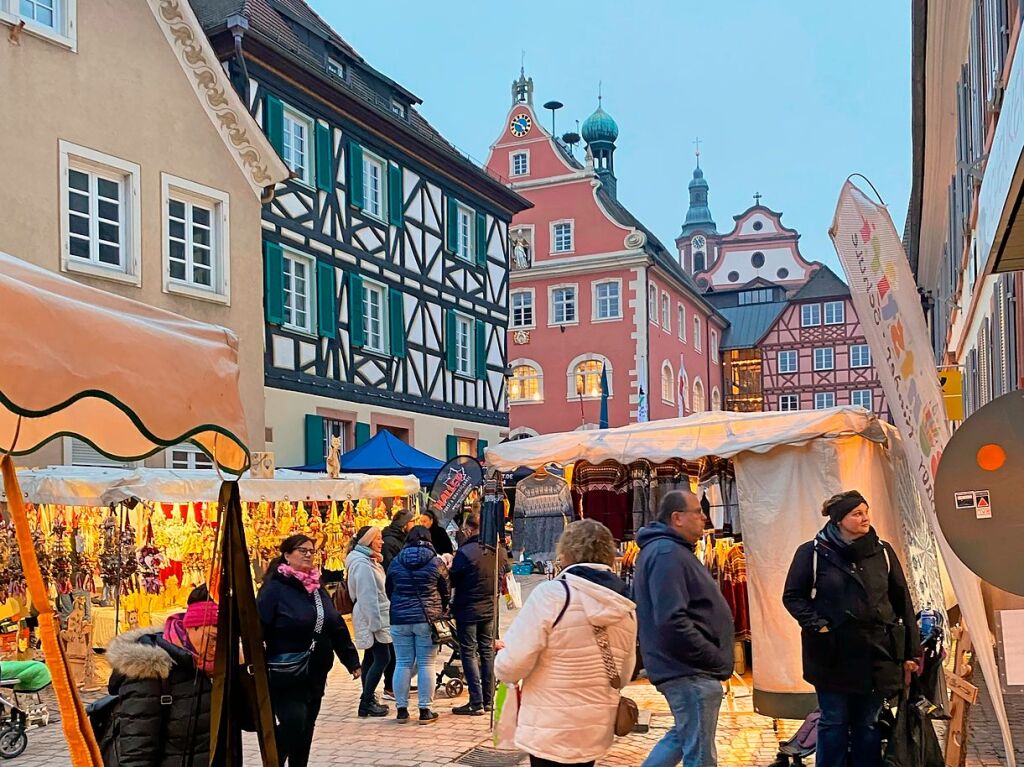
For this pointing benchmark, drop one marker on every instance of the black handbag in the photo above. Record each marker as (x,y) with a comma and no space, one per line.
(440,630)
(292,668)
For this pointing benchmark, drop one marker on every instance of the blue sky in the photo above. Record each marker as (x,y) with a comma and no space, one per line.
(788,98)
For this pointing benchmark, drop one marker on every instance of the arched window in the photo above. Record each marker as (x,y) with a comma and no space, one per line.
(522,432)
(697,333)
(698,261)
(716,398)
(526,383)
(699,405)
(584,377)
(668,384)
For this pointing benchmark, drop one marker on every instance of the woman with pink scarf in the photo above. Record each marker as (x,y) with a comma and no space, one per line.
(303,632)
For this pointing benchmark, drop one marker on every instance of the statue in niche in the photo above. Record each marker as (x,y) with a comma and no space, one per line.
(520,253)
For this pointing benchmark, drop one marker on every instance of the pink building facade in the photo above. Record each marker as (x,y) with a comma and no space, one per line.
(592,290)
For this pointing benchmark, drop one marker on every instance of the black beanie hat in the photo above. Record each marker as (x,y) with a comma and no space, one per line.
(838,506)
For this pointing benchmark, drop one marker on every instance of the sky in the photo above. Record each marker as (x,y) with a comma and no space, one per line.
(788,98)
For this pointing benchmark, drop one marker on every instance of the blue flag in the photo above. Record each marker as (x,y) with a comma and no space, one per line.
(603,423)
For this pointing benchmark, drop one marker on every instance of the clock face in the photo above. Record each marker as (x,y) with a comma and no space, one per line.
(698,241)
(520,125)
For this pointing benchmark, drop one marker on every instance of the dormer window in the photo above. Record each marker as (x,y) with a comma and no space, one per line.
(398,108)
(335,68)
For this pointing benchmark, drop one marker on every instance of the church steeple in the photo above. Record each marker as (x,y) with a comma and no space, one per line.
(522,89)
(599,131)
(698,215)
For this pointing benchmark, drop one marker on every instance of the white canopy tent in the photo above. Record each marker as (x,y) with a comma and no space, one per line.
(88,486)
(786,465)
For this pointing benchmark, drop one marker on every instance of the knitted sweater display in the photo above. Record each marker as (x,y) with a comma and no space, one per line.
(543,509)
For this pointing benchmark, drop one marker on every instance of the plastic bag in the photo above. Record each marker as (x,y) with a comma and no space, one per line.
(506,716)
(515,591)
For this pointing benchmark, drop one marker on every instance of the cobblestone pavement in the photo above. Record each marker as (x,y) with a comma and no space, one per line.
(343,740)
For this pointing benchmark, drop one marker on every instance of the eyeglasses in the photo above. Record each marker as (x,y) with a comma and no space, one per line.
(306,552)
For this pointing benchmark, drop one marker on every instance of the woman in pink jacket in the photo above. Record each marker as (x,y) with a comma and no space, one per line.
(568,707)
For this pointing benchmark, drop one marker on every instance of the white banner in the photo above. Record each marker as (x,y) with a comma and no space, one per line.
(885,296)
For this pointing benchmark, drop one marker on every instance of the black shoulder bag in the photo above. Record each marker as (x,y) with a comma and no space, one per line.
(292,668)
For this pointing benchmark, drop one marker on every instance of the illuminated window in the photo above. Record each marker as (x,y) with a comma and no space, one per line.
(525,384)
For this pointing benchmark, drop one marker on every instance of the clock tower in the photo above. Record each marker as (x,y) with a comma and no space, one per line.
(697,239)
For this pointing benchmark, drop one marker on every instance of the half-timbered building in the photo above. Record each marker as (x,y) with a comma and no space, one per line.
(385,254)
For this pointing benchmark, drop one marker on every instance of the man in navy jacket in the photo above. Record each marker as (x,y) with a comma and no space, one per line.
(473,577)
(686,631)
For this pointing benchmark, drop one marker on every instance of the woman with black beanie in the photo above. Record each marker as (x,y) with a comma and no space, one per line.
(859,635)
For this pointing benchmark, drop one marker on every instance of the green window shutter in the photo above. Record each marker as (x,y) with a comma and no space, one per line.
(362,433)
(453,224)
(355,310)
(326,313)
(315,440)
(354,180)
(480,358)
(396,195)
(481,446)
(481,239)
(273,283)
(324,163)
(452,444)
(396,322)
(273,123)
(449,340)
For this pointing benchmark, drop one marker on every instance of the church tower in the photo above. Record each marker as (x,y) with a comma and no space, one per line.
(695,239)
(599,131)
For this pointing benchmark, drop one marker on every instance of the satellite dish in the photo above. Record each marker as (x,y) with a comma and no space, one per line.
(553,106)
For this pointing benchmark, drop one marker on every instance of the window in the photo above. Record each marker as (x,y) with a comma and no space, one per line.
(587,379)
(374,314)
(668,384)
(52,19)
(666,319)
(810,315)
(699,405)
(713,343)
(824,358)
(100,219)
(716,399)
(607,301)
(835,313)
(464,233)
(788,361)
(298,292)
(563,305)
(681,321)
(398,108)
(522,309)
(295,135)
(789,402)
(698,261)
(374,170)
(652,303)
(525,384)
(188,457)
(824,399)
(520,164)
(335,68)
(195,238)
(759,296)
(463,345)
(697,332)
(562,237)
(863,398)
(860,356)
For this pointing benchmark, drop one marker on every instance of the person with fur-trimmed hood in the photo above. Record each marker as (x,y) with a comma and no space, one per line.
(163,680)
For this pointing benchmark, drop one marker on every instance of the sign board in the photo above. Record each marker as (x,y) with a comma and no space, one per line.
(262,466)
(1010,646)
(978,490)
(453,485)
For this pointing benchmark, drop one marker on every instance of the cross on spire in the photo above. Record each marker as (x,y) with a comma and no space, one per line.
(757,198)
(522,61)
(696,143)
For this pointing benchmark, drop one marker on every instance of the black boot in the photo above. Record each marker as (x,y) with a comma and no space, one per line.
(372,708)
(427,716)
(403,715)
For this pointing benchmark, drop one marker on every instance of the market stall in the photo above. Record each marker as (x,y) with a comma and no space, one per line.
(784,465)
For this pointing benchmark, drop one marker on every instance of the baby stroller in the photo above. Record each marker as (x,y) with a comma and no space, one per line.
(450,678)
(13,726)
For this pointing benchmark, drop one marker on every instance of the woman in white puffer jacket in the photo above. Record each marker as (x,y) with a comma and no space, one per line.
(568,707)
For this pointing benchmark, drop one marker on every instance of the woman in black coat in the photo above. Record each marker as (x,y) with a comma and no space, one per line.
(288,611)
(859,634)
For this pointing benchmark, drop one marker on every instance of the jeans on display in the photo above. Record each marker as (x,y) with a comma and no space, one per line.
(375,662)
(695,702)
(476,648)
(414,646)
(849,724)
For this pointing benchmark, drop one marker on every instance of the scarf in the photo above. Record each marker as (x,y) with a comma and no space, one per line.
(175,633)
(851,551)
(373,555)
(310,581)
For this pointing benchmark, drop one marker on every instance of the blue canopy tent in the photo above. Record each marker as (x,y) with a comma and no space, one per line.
(387,455)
